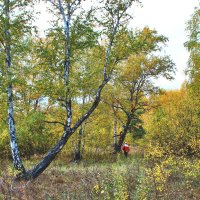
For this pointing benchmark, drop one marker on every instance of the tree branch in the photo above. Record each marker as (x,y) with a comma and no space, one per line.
(54,122)
(115,113)
(75,6)
(52,2)
(92,108)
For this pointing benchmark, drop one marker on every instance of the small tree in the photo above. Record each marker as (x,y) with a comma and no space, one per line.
(133,80)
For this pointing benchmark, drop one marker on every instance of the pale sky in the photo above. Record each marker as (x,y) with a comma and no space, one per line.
(169,18)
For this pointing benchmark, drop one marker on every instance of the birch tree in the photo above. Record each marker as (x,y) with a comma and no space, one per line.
(14,27)
(113,15)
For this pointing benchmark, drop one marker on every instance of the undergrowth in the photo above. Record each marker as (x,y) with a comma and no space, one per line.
(134,178)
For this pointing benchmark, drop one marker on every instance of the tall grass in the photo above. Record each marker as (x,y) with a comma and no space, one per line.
(119,178)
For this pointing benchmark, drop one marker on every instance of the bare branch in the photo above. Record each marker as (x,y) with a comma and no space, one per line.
(54,4)
(2,43)
(54,122)
(115,113)
(75,6)
(114,31)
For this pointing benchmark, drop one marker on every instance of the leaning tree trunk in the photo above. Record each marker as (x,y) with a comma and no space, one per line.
(68,131)
(11,124)
(49,157)
(44,163)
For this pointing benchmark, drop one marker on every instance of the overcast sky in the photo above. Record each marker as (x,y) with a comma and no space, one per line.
(169,18)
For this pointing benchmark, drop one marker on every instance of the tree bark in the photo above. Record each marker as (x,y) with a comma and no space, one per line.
(49,157)
(68,131)
(123,134)
(115,132)
(79,146)
(11,123)
(45,162)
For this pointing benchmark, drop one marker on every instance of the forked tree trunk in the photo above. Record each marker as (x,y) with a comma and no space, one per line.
(38,169)
(68,131)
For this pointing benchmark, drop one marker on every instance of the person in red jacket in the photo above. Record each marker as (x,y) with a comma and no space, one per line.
(126,149)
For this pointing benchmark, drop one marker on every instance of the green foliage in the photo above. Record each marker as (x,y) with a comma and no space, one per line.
(138,41)
(193,46)
(169,130)
(113,186)
(33,136)
(4,143)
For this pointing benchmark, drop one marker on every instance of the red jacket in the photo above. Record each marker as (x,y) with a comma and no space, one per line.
(125,148)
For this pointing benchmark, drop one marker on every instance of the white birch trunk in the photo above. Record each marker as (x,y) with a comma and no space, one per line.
(11,124)
(66,23)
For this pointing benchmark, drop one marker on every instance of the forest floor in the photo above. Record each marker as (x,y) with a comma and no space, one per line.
(118,179)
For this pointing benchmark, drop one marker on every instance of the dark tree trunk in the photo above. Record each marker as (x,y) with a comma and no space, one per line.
(45,162)
(36,104)
(79,147)
(68,131)
(115,132)
(115,136)
(49,157)
(123,135)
